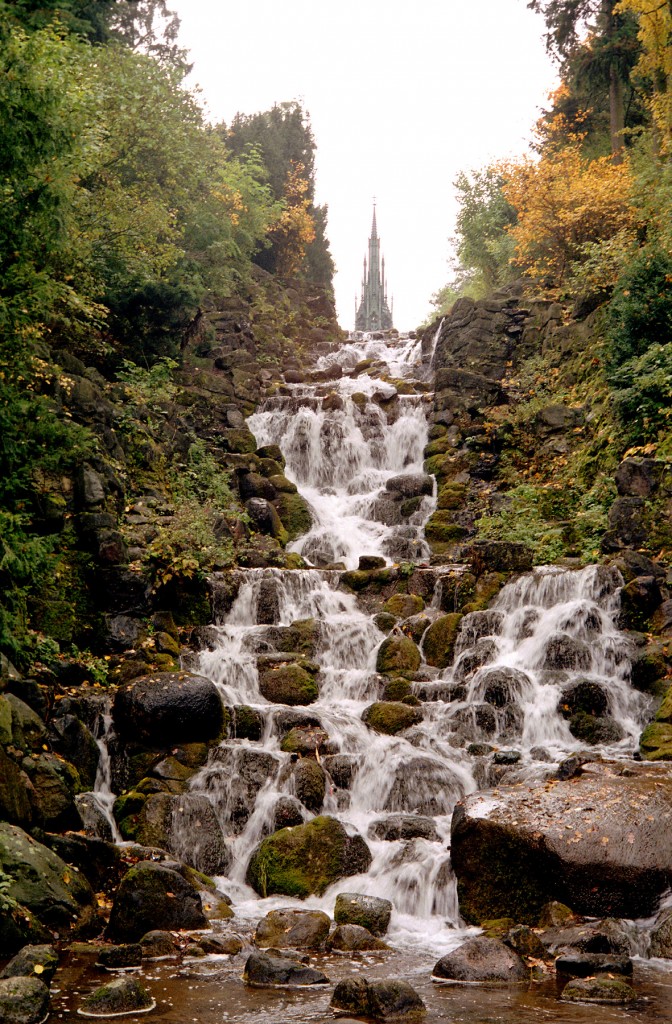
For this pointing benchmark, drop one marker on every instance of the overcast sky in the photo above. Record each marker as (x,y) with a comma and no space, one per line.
(401,95)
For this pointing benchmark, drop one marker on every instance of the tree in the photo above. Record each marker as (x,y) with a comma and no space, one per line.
(654,21)
(483,244)
(608,56)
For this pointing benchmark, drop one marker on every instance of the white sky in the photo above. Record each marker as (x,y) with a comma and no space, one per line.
(401,95)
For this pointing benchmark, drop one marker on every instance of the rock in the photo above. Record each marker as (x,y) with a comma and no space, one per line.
(252,485)
(410,485)
(264,971)
(606,936)
(501,686)
(152,896)
(403,606)
(438,642)
(23,1001)
(397,655)
(554,915)
(600,842)
(288,812)
(121,996)
(354,938)
(114,957)
(14,803)
(342,769)
(44,884)
(196,836)
(289,684)
(310,784)
(661,935)
(305,740)
(525,942)
(32,962)
(156,944)
(584,965)
(584,696)
(293,929)
(565,651)
(390,717)
(593,730)
(71,738)
(367,563)
(293,510)
(639,600)
(221,945)
(611,991)
(381,1000)
(54,784)
(499,556)
(169,707)
(306,859)
(28,729)
(369,912)
(247,723)
(639,478)
(482,960)
(265,519)
(404,826)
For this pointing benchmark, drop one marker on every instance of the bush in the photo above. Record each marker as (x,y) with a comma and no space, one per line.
(640,311)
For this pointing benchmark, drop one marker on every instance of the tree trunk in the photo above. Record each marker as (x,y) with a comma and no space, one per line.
(616,115)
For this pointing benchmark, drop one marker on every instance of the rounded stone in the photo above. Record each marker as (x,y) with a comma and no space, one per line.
(391,717)
(396,655)
(370,912)
(293,929)
(482,960)
(23,1001)
(152,896)
(264,971)
(169,707)
(121,996)
(38,961)
(611,991)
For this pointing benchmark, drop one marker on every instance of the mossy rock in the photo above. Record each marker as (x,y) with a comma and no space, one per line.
(396,690)
(655,743)
(289,684)
(451,497)
(247,723)
(485,590)
(282,484)
(442,528)
(271,451)
(390,717)
(270,469)
(402,606)
(240,440)
(128,804)
(306,859)
(384,621)
(439,446)
(439,640)
(294,514)
(398,655)
(409,507)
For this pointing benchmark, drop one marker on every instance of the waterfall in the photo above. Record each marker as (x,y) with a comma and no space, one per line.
(524,670)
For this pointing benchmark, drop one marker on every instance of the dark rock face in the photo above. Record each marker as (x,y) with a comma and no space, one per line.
(640,478)
(152,896)
(123,995)
(661,935)
(382,1000)
(23,1001)
(293,929)
(516,852)
(264,971)
(584,965)
(306,859)
(482,960)
(169,707)
(158,944)
(129,955)
(369,912)
(32,961)
(610,991)
(353,938)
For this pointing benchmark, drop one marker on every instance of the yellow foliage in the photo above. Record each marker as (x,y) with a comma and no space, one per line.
(565,202)
(655,62)
(295,228)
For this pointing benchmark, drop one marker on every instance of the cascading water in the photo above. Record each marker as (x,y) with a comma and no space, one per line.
(523,670)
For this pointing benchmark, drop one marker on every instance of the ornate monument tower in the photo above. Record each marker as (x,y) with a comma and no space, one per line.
(373,313)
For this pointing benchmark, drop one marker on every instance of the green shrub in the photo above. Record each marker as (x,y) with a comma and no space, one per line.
(640,312)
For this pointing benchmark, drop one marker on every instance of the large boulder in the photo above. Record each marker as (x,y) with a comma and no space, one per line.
(264,971)
(288,683)
(23,1001)
(397,655)
(370,912)
(403,826)
(116,998)
(391,717)
(352,938)
(32,962)
(482,960)
(152,896)
(45,885)
(382,1000)
(600,842)
(306,859)
(169,707)
(438,643)
(611,991)
(293,929)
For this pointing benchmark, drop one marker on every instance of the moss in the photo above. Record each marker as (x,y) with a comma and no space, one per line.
(282,484)
(402,606)
(409,507)
(441,527)
(655,743)
(248,723)
(294,514)
(451,496)
(439,640)
(396,689)
(300,861)
(439,446)
(289,684)
(390,717)
(128,804)
(485,590)
(398,655)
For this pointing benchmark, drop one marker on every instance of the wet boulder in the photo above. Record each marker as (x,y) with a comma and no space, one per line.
(382,1000)
(391,717)
(305,740)
(403,606)
(45,885)
(290,683)
(32,962)
(293,929)
(397,655)
(118,957)
(661,935)
(565,651)
(53,786)
(585,965)
(72,740)
(169,707)
(158,944)
(342,769)
(23,1001)
(265,518)
(410,485)
(352,938)
(500,686)
(221,945)
(287,813)
(424,786)
(122,996)
(438,642)
(152,896)
(482,960)
(584,696)
(368,912)
(595,729)
(600,842)
(610,991)
(310,784)
(404,826)
(264,971)
(605,937)
(525,942)
(306,859)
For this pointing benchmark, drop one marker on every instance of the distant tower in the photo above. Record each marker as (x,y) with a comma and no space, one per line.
(373,313)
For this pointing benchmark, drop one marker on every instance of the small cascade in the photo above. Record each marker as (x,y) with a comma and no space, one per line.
(535,674)
(102,794)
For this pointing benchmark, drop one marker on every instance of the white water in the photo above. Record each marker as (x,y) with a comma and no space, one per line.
(340,458)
